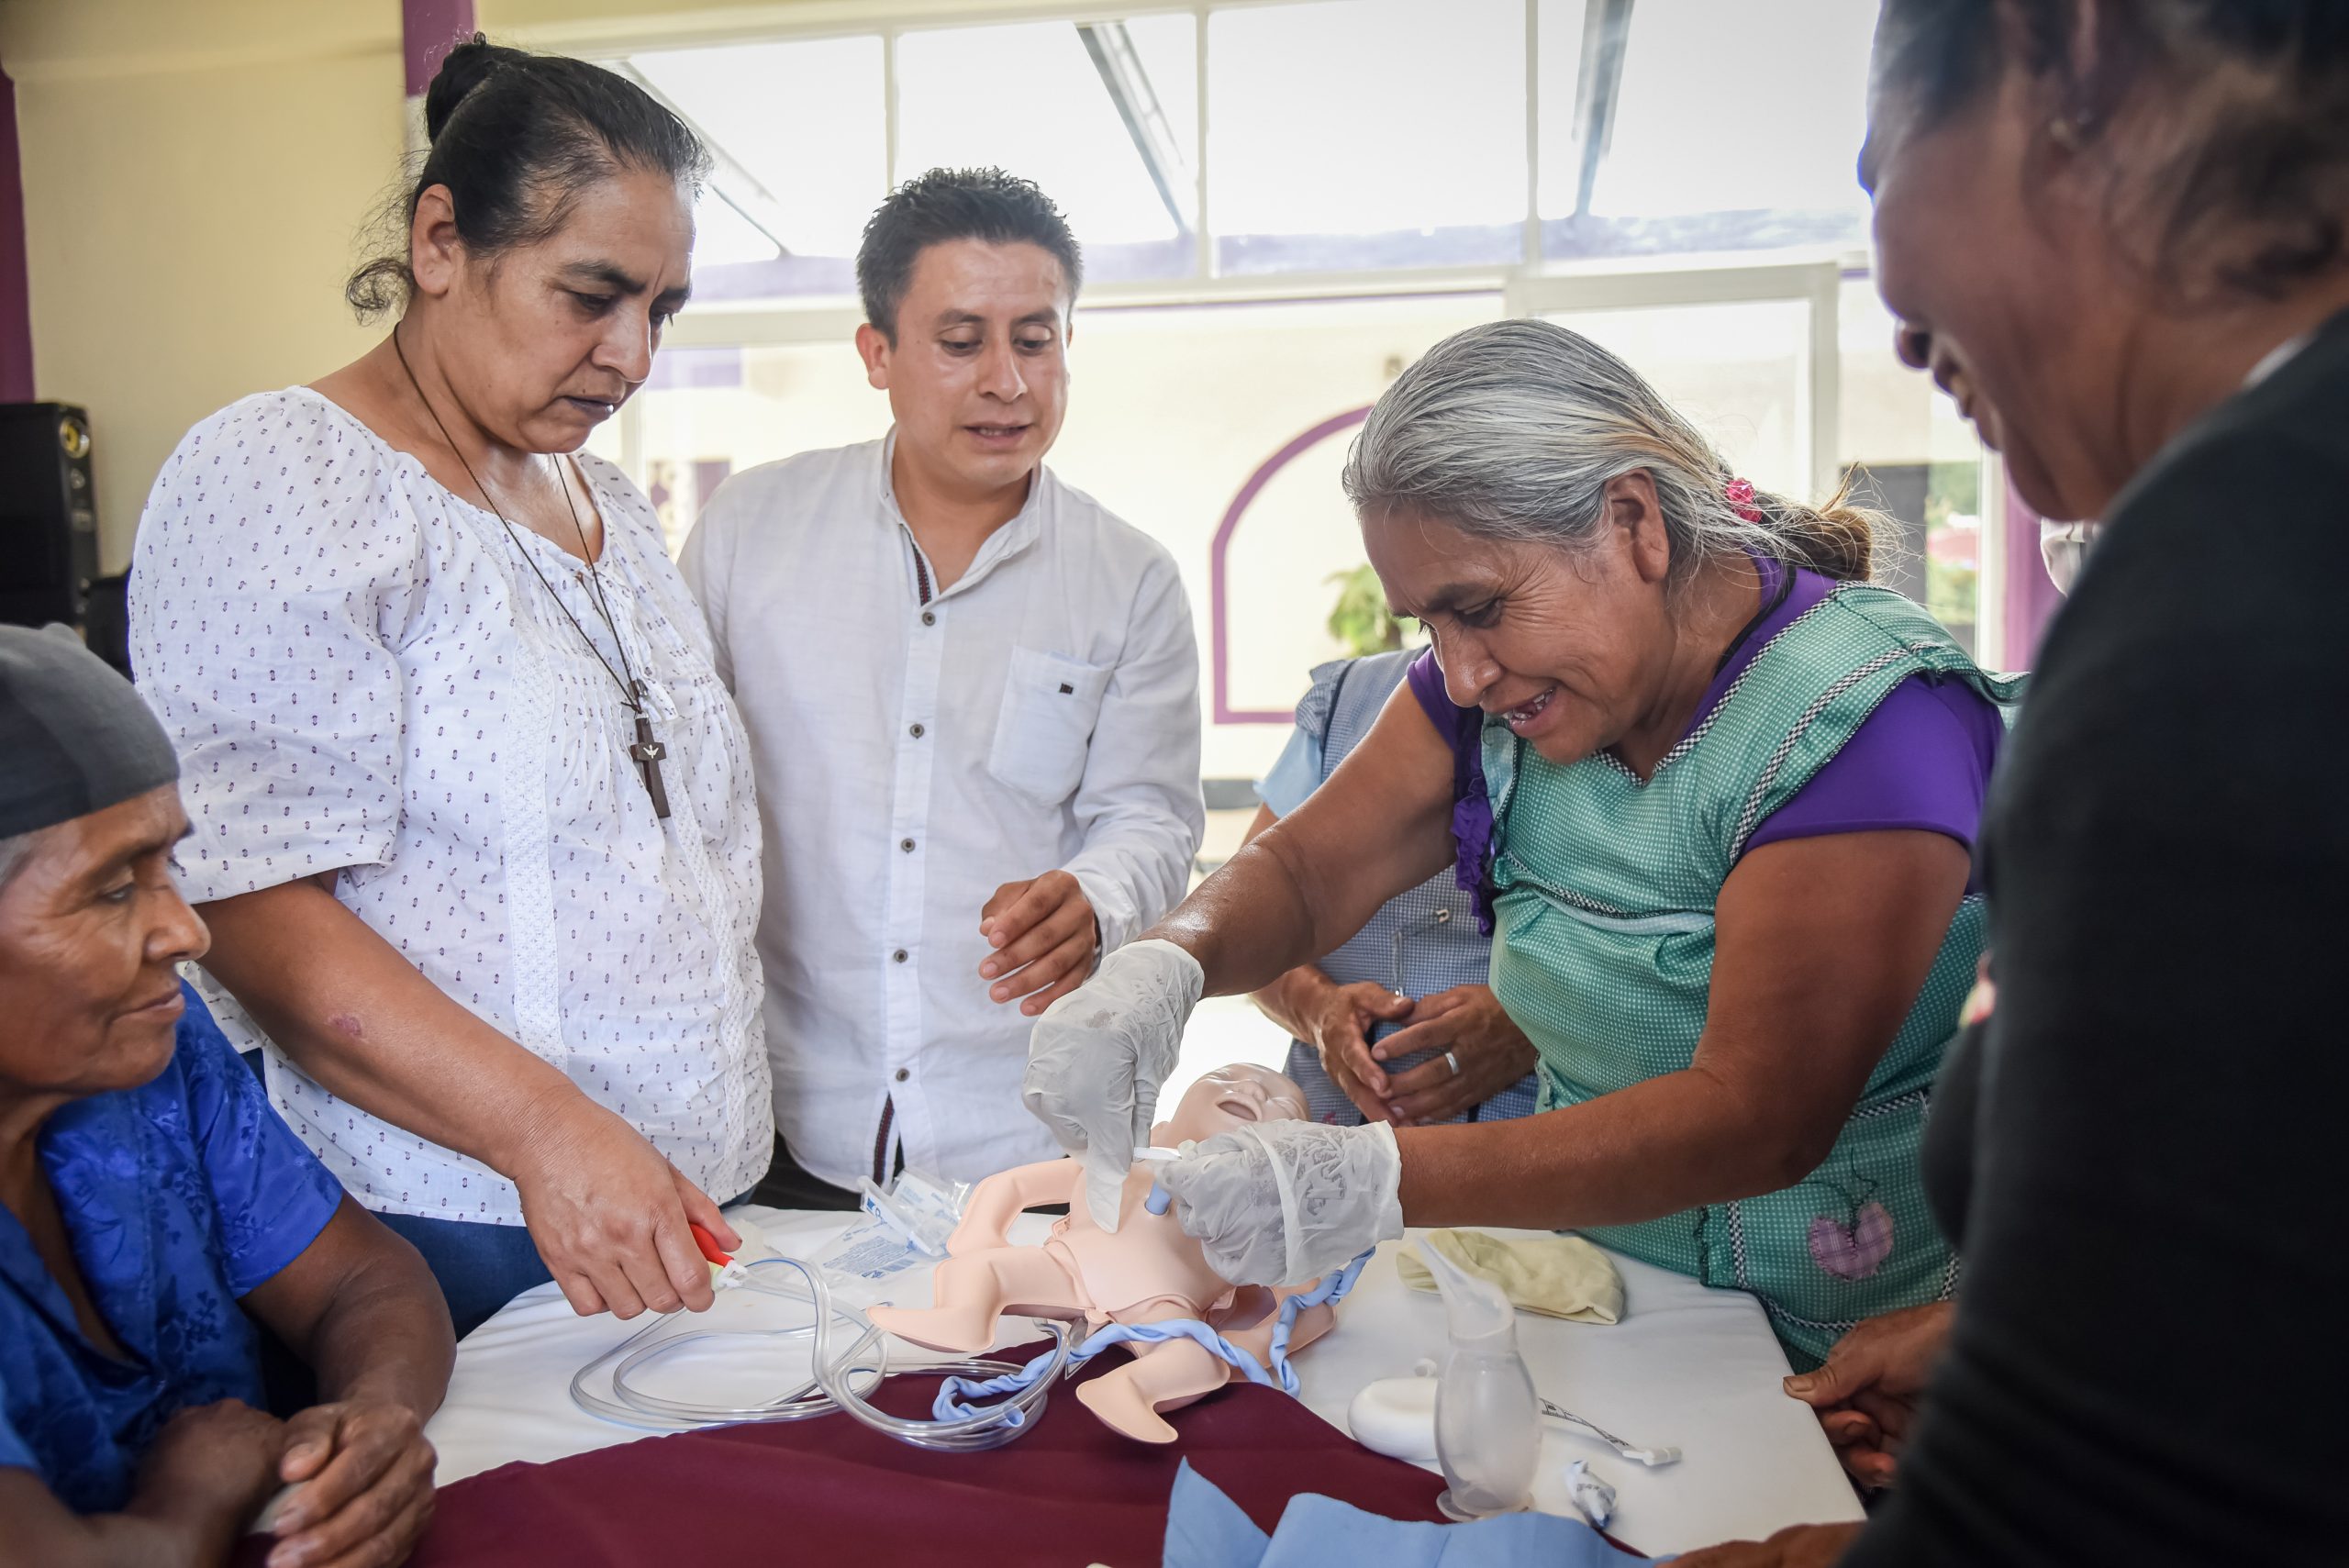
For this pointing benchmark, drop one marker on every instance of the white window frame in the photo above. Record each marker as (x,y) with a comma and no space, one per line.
(1531,287)
(1816,284)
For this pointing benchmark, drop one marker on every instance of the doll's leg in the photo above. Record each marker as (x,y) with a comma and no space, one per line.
(973,1291)
(1167,1375)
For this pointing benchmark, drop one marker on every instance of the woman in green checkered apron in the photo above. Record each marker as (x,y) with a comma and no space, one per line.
(1609,888)
(1716,793)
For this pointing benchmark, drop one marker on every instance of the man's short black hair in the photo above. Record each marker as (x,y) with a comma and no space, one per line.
(955,204)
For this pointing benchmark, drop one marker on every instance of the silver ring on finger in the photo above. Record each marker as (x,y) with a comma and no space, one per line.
(1452,1062)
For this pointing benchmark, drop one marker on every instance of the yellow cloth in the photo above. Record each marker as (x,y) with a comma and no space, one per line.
(1558,1276)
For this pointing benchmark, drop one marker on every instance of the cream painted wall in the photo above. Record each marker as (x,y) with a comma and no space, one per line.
(195,177)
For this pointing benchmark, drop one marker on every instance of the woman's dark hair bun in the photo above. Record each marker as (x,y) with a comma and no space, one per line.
(516,139)
(462,69)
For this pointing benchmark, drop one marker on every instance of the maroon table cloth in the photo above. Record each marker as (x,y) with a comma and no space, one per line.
(830,1490)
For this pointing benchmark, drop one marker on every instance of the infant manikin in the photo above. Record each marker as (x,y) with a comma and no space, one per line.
(1146,1271)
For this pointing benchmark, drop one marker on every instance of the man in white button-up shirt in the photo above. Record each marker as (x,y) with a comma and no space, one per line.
(973,701)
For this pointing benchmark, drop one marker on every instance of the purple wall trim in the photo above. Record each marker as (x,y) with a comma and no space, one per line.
(1219,591)
(428,29)
(16,287)
(2030,597)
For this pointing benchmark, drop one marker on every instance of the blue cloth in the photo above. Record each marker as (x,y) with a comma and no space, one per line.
(1298,771)
(1207,1530)
(179,1196)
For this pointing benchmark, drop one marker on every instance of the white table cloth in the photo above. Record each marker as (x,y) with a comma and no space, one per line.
(1688,1366)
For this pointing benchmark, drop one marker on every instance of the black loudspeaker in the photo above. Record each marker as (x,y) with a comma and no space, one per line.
(49,513)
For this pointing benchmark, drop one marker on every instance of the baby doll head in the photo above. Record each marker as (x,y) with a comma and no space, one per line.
(1231,1096)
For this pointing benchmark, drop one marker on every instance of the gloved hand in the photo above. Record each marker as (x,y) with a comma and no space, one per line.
(1100,1052)
(1282,1203)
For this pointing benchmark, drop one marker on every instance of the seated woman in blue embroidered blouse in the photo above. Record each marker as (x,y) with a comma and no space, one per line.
(149,1199)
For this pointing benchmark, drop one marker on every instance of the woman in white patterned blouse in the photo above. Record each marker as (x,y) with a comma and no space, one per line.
(472,817)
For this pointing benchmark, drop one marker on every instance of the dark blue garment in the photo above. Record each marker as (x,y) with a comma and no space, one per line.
(178,1196)
(479,1267)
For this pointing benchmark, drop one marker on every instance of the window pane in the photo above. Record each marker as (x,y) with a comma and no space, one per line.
(1738,372)
(1919,461)
(1735,126)
(1366,133)
(1561,24)
(707,413)
(798,127)
(1070,107)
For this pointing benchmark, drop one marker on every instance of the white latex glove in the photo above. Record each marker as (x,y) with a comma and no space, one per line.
(1099,1055)
(1282,1203)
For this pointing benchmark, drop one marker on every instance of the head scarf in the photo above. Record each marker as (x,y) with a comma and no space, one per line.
(74,736)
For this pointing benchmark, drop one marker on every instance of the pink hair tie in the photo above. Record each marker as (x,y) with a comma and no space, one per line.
(1741,500)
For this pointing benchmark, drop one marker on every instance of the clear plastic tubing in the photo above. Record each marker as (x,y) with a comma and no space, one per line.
(838,1382)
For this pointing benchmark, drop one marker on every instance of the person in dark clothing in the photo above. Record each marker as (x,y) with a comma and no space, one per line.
(2115,233)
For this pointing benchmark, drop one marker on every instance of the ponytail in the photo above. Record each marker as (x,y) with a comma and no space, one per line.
(1837,539)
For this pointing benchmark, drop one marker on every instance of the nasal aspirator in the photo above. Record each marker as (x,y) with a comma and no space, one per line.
(1487,1419)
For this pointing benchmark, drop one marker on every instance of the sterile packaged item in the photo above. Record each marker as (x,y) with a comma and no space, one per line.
(1595,1498)
(866,1256)
(907,1224)
(1488,1425)
(923,1208)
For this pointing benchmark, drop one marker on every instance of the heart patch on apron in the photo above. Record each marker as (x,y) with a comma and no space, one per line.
(1853,1250)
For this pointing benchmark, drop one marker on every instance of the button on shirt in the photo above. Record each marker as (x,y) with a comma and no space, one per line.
(916,750)
(362,673)
(179,1196)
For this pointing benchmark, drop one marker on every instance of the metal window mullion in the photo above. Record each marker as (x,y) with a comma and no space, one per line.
(1990,640)
(1826,377)
(1525,293)
(632,441)
(1643,288)
(833,321)
(1205,259)
(888,111)
(1532,253)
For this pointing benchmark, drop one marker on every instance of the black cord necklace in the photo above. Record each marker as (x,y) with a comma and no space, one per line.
(648,752)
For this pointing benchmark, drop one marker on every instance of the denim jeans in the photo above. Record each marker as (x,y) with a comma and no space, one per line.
(480,1267)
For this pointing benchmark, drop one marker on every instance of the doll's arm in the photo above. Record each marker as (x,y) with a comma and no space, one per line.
(995,1202)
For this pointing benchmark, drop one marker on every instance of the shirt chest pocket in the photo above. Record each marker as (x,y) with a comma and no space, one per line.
(1045,725)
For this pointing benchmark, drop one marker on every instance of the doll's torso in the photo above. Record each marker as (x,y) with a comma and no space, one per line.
(1146,1264)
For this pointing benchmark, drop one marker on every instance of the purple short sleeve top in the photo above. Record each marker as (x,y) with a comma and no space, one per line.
(1920,763)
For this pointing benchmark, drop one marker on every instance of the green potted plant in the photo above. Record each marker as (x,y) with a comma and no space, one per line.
(1360,621)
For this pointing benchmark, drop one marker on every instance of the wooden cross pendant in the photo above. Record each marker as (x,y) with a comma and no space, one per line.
(648,752)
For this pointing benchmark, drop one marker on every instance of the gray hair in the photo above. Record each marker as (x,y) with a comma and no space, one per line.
(1512,431)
